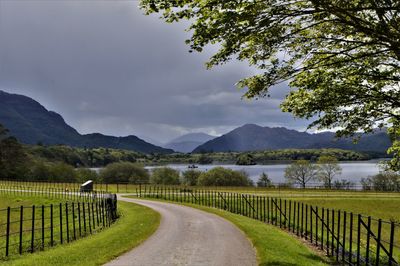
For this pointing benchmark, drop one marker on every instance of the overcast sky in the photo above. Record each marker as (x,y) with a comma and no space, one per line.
(106,67)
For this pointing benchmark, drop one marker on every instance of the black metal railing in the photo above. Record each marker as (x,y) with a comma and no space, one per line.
(348,238)
(33,228)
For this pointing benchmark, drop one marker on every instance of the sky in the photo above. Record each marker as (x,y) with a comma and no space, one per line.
(108,68)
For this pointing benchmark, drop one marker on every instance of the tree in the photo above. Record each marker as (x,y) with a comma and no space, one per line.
(264,181)
(13,159)
(204,159)
(124,172)
(328,168)
(190,177)
(220,176)
(301,172)
(245,159)
(165,176)
(85,174)
(342,56)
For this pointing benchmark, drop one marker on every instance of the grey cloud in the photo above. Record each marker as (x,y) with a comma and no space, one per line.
(108,68)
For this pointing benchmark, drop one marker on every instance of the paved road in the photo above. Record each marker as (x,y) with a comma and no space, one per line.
(188,236)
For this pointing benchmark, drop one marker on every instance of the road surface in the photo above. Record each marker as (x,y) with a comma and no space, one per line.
(188,236)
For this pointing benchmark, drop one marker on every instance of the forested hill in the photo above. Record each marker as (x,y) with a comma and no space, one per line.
(252,137)
(31,123)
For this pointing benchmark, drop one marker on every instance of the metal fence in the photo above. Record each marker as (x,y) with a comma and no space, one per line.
(33,228)
(128,187)
(13,188)
(349,238)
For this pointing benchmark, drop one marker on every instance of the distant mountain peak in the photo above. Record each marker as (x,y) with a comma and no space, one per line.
(252,137)
(186,143)
(30,123)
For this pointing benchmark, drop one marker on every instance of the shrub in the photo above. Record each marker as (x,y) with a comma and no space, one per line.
(190,177)
(165,176)
(220,176)
(384,181)
(63,172)
(245,159)
(124,172)
(343,184)
(40,172)
(85,174)
(264,181)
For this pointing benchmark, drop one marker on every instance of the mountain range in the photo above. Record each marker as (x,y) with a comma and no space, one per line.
(31,123)
(187,143)
(251,137)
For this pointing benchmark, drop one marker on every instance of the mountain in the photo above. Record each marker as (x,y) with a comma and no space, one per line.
(187,143)
(252,137)
(31,123)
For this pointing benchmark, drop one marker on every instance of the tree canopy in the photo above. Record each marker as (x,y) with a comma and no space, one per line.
(301,172)
(341,56)
(328,168)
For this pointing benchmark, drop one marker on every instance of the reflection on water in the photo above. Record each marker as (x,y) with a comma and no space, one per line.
(352,171)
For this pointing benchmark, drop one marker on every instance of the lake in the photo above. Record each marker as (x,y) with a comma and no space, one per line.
(352,171)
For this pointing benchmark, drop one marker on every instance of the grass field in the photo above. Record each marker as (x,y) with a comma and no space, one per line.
(135,224)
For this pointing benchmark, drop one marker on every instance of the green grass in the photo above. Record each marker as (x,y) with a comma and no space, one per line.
(134,226)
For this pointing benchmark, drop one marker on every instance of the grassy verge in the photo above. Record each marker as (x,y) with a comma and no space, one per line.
(134,226)
(274,246)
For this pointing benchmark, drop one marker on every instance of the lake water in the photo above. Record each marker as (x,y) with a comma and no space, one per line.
(352,171)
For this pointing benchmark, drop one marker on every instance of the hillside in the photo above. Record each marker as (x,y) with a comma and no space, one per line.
(187,143)
(252,137)
(31,123)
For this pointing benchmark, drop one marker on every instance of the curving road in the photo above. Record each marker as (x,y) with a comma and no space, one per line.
(188,236)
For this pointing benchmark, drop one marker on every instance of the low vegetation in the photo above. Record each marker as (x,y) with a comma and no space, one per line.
(165,176)
(220,176)
(124,172)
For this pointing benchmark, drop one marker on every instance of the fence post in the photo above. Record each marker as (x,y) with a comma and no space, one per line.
(43,227)
(344,236)
(8,231)
(392,228)
(61,227)
(358,239)
(67,221)
(280,213)
(311,224)
(33,230)
(79,219)
(51,226)
(333,232)
(73,217)
(327,232)
(322,228)
(302,219)
(368,240)
(21,228)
